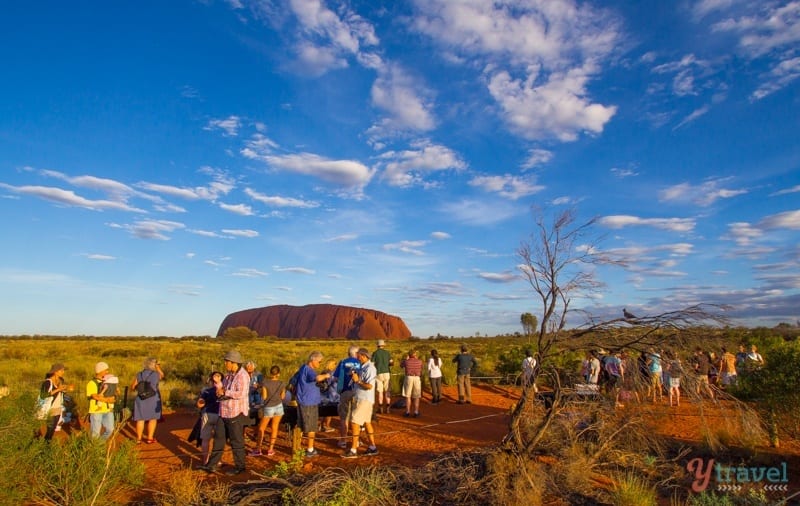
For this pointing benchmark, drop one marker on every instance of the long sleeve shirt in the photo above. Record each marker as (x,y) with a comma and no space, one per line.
(235,401)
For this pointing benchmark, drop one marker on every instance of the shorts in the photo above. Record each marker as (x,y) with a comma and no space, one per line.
(383,383)
(702,378)
(412,387)
(308,418)
(347,404)
(655,378)
(362,413)
(270,411)
(207,425)
(727,378)
(674,382)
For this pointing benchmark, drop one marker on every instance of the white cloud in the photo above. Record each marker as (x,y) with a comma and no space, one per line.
(499,277)
(348,174)
(240,233)
(480,212)
(510,187)
(693,116)
(249,273)
(229,126)
(555,45)
(70,198)
(240,209)
(702,195)
(97,256)
(408,167)
(277,201)
(151,229)
(623,173)
(440,235)
(411,247)
(785,191)
(343,238)
(395,92)
(786,220)
(671,224)
(294,270)
(537,157)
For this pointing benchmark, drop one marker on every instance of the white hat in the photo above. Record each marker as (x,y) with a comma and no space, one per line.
(100,367)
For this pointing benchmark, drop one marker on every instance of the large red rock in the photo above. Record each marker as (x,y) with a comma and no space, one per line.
(318,321)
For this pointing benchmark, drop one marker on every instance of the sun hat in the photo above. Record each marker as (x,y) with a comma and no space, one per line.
(100,367)
(381,342)
(233,356)
(57,367)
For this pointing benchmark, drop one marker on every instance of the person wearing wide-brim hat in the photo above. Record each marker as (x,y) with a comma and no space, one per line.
(234,408)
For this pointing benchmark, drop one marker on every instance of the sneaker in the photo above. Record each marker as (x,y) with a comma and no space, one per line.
(312,453)
(255,453)
(406,414)
(416,415)
(350,454)
(342,444)
(270,453)
(371,451)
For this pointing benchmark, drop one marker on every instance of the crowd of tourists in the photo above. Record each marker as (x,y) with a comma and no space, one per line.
(656,373)
(355,388)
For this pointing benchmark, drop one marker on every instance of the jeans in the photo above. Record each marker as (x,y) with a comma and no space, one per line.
(233,430)
(104,421)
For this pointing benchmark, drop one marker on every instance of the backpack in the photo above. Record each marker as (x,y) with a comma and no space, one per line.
(144,390)
(110,383)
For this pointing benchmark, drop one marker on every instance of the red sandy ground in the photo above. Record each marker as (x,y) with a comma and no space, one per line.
(413,441)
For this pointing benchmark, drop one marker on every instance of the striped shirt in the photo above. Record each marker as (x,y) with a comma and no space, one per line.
(236,400)
(412,365)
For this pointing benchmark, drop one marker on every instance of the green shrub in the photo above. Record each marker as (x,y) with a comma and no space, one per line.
(70,470)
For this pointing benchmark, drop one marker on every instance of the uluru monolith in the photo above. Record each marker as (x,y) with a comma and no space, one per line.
(318,321)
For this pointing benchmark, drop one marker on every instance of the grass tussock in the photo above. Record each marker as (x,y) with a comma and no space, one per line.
(632,490)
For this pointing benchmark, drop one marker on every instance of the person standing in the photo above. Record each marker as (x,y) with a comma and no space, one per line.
(52,394)
(364,381)
(528,370)
(254,395)
(382,360)
(147,411)
(654,363)
(594,369)
(464,365)
(101,407)
(233,413)
(412,383)
(702,366)
(346,388)
(209,413)
(272,391)
(308,399)
(435,376)
(727,368)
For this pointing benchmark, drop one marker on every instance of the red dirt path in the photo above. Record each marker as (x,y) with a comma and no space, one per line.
(414,441)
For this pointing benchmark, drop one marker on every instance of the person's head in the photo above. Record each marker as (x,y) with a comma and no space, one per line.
(233,361)
(412,353)
(434,353)
(352,351)
(363,355)
(698,350)
(330,365)
(57,370)
(274,371)
(250,366)
(215,377)
(381,343)
(100,369)
(742,347)
(753,348)
(150,363)
(528,353)
(463,348)
(314,358)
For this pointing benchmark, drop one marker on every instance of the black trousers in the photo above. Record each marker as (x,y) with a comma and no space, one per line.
(231,429)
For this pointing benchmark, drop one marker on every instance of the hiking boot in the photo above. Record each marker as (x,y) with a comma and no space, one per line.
(350,454)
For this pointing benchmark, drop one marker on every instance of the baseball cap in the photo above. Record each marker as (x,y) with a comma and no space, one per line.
(100,367)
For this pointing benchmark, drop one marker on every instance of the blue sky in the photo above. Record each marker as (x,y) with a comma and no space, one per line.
(163,164)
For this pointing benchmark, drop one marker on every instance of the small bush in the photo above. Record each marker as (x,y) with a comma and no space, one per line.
(631,490)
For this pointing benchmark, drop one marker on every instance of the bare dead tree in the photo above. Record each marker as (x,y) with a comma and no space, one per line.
(559,264)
